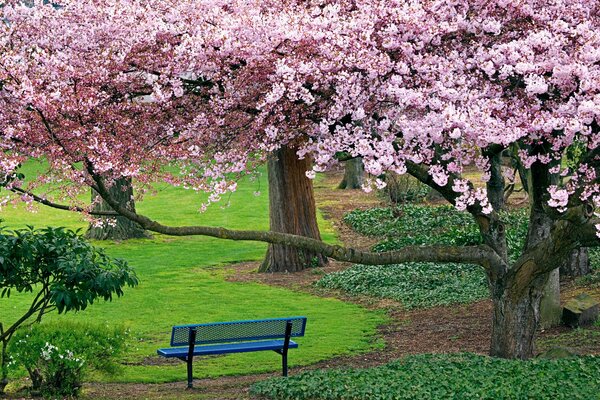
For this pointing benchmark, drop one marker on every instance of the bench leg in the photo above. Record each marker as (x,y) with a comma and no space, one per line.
(190,356)
(190,376)
(284,365)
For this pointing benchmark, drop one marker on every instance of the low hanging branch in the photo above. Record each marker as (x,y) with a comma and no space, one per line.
(58,206)
(481,255)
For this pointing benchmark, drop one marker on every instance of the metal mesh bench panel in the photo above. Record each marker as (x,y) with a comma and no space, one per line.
(237,331)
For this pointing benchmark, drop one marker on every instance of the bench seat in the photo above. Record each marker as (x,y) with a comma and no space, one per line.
(189,341)
(182,352)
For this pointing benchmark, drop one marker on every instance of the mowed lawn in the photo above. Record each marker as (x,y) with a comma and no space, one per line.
(182,280)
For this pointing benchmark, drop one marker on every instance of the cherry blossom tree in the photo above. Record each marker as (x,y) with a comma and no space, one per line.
(110,89)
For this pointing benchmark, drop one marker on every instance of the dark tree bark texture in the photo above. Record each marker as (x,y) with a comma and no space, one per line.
(354,172)
(292,210)
(121,227)
(578,264)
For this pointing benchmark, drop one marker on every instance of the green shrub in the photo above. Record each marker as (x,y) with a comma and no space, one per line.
(594,253)
(57,356)
(457,376)
(413,284)
(404,189)
(57,372)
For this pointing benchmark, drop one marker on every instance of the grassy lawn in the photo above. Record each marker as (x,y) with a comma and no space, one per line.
(182,281)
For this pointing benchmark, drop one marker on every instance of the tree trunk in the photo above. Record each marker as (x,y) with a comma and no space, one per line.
(292,210)
(578,264)
(540,226)
(354,172)
(495,185)
(515,319)
(3,364)
(116,228)
(550,310)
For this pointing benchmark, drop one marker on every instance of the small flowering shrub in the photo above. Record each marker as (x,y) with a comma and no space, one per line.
(58,371)
(57,356)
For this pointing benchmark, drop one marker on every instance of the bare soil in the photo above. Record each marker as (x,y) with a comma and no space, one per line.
(434,330)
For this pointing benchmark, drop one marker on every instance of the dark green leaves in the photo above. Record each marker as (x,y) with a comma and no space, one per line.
(68,271)
(457,376)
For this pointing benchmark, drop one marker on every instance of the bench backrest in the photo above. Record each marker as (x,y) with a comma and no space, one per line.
(238,331)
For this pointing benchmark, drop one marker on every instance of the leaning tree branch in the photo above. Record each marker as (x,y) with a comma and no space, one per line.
(58,206)
(549,253)
(490,225)
(423,176)
(481,255)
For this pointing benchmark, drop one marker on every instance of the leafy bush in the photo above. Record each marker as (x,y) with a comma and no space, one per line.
(57,372)
(457,376)
(56,356)
(404,188)
(61,270)
(594,253)
(413,284)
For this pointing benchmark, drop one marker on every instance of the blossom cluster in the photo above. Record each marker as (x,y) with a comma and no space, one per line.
(213,86)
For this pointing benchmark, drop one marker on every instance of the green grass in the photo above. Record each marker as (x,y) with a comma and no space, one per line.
(182,281)
(457,376)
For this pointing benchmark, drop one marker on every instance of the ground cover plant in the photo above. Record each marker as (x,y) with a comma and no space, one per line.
(421,284)
(456,376)
(414,285)
(422,224)
(182,280)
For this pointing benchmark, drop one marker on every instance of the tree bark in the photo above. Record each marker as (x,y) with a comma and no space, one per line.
(292,210)
(515,319)
(354,172)
(540,226)
(550,310)
(578,264)
(116,228)
(495,185)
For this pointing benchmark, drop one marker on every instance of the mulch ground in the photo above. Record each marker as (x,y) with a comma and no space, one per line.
(434,330)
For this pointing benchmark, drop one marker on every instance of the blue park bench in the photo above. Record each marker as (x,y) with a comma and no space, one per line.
(234,337)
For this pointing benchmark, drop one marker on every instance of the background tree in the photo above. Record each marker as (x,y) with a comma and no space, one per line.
(61,270)
(117,227)
(354,173)
(426,88)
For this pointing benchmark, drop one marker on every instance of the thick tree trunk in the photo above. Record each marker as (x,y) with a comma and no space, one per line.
(516,317)
(578,264)
(540,226)
(354,172)
(117,228)
(292,210)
